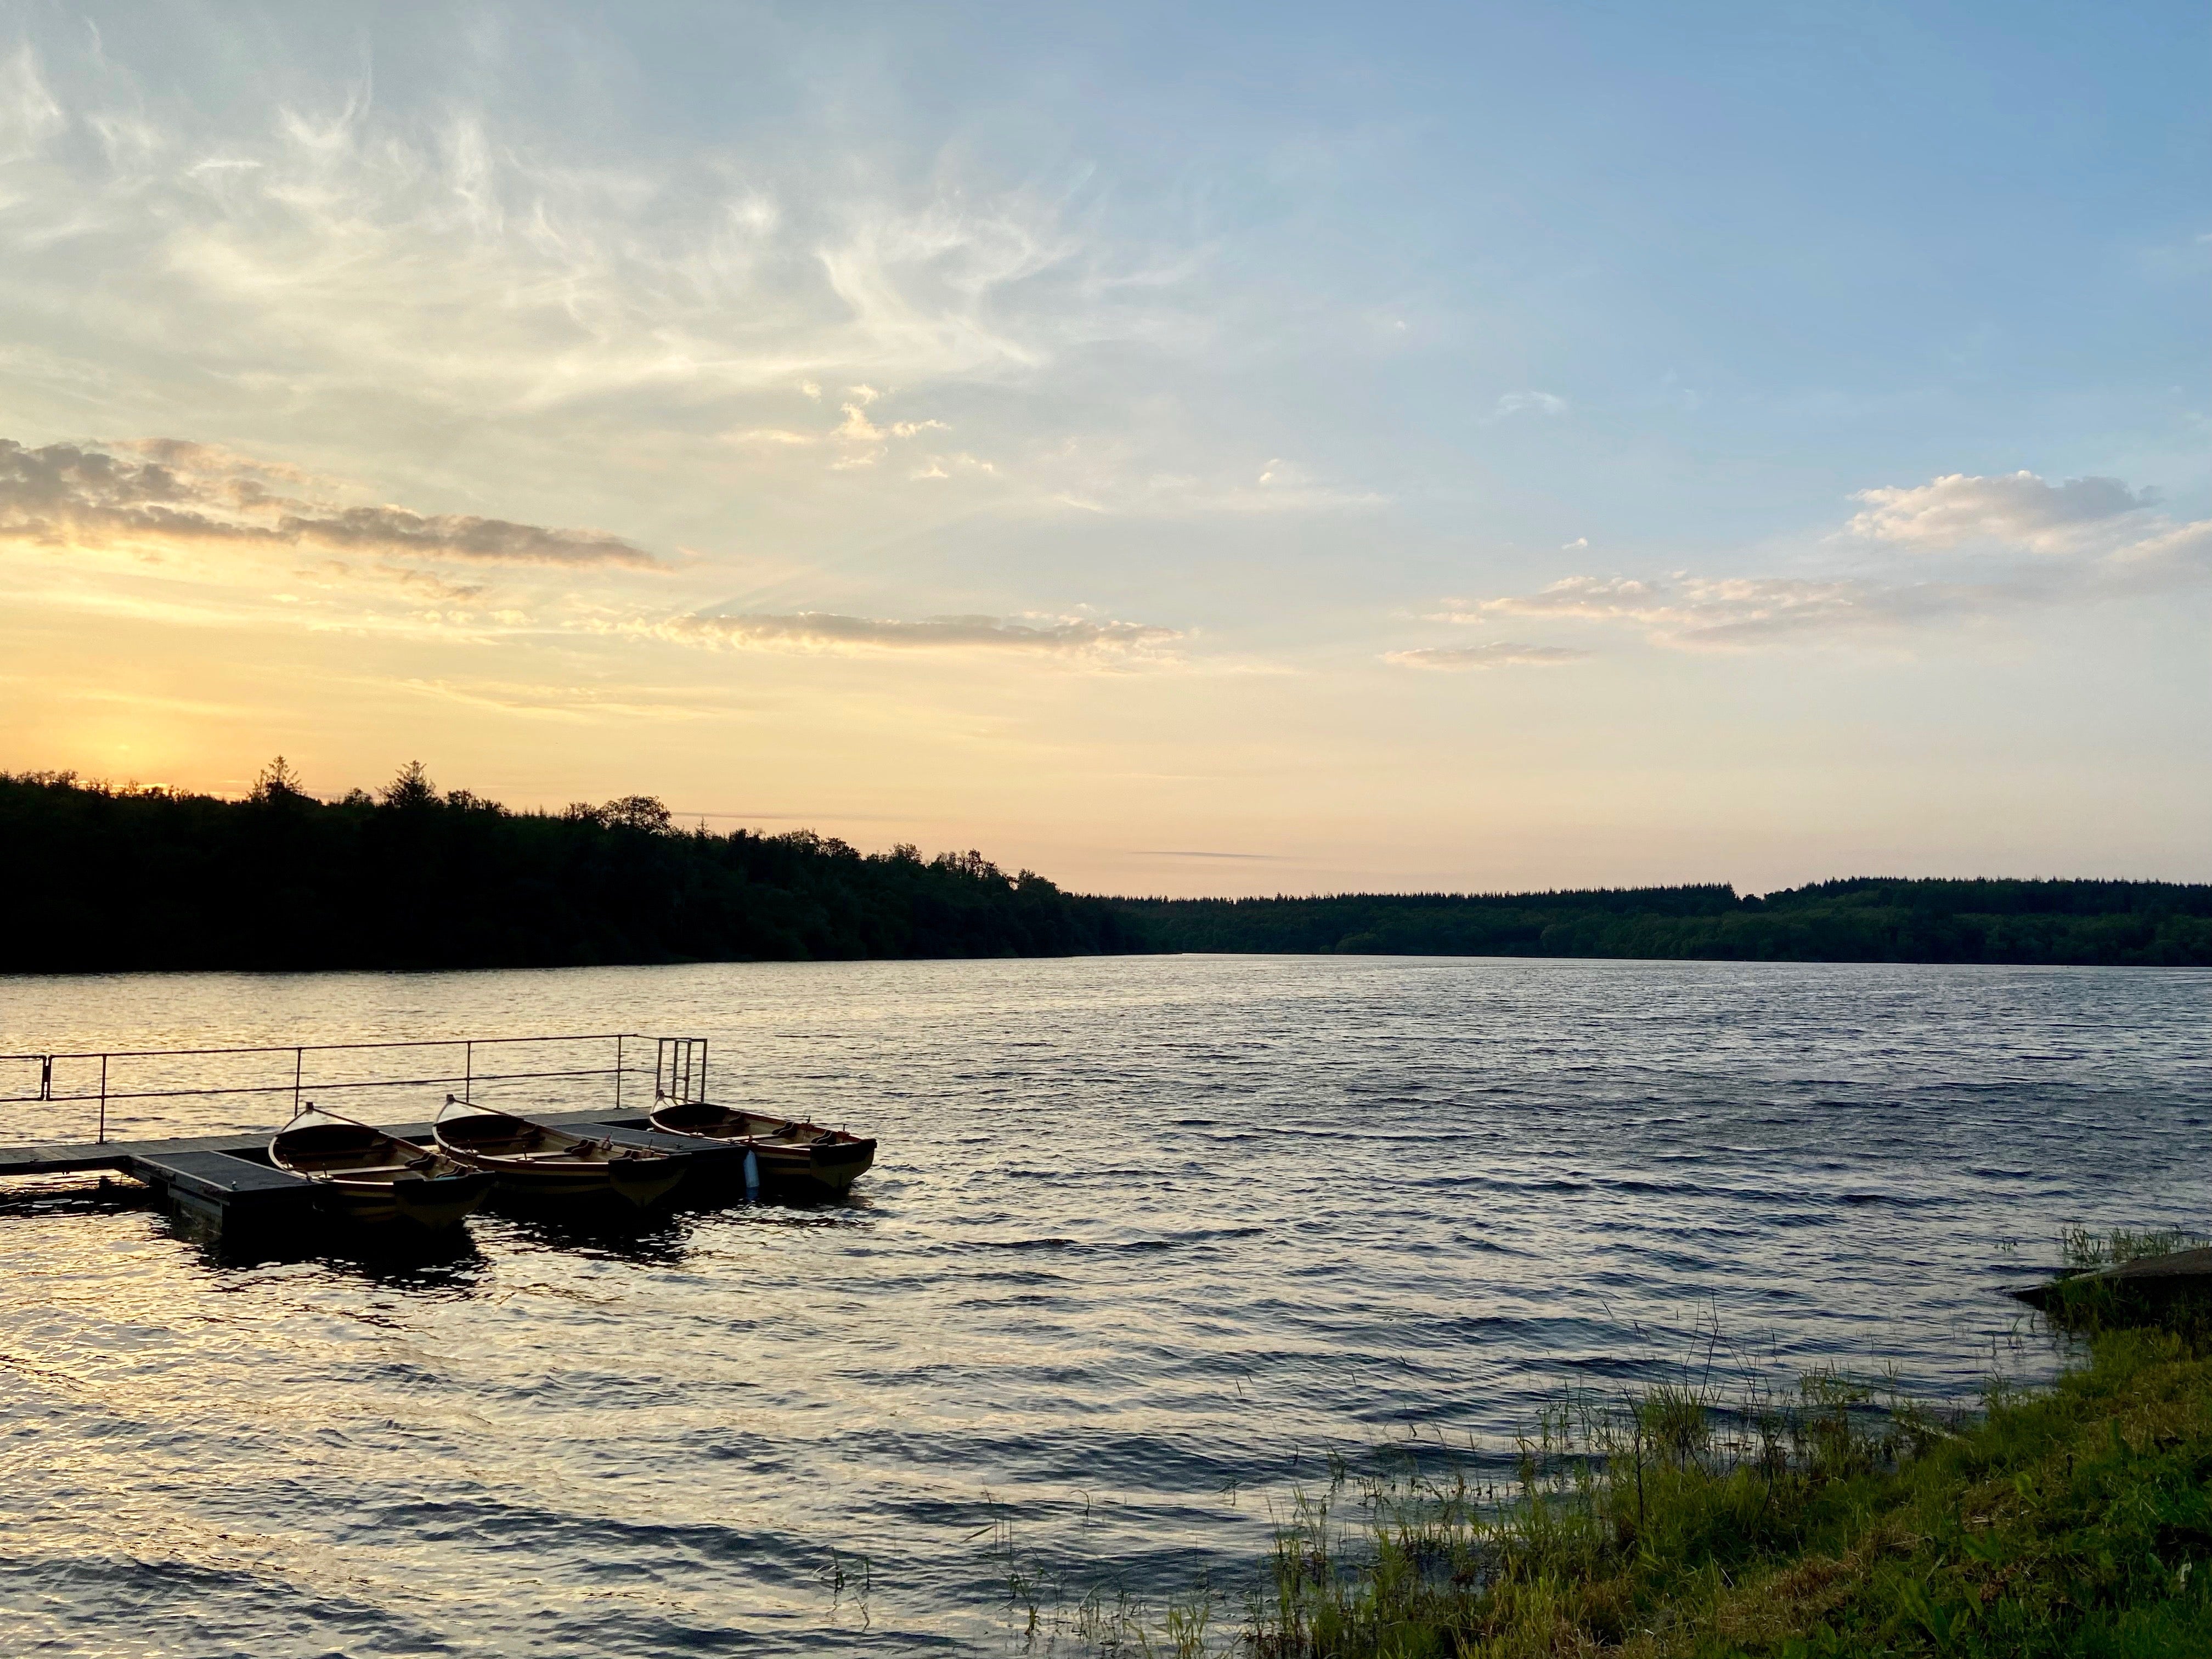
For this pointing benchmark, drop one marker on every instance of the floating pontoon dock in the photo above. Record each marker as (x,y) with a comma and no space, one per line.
(226,1180)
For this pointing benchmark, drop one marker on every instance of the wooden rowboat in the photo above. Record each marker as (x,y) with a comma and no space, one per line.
(368,1175)
(533,1160)
(791,1155)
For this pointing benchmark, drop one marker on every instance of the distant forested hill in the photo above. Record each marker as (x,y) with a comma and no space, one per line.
(1866,920)
(99,880)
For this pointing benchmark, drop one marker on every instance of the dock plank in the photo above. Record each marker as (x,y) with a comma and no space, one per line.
(71,1158)
(218,1175)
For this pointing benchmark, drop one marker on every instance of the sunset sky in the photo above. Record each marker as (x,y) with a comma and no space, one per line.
(1221,449)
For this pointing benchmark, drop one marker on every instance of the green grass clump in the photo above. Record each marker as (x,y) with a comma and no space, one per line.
(2090,1298)
(2085,1251)
(2075,1520)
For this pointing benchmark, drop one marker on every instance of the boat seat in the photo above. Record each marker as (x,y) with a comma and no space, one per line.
(377,1169)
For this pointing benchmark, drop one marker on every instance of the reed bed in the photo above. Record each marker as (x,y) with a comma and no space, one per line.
(1622,1509)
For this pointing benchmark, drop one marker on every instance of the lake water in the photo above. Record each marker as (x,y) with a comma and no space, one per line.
(1147,1237)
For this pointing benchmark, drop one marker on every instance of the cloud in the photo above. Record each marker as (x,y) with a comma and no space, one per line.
(1599,597)
(1279,487)
(163,493)
(1544,403)
(821,630)
(392,531)
(2017,509)
(2169,556)
(863,442)
(28,113)
(323,249)
(1742,611)
(1499,654)
(945,466)
(2086,540)
(1175,852)
(426,583)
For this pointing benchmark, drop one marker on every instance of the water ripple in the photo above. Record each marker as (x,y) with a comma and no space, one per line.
(1148,1237)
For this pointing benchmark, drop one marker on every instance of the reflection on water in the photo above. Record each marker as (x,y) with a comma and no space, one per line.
(71,1194)
(1147,1237)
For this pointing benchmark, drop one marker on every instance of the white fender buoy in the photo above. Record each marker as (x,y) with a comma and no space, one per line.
(752,1174)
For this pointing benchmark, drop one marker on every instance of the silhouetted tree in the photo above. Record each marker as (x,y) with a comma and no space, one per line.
(636,813)
(278,782)
(412,787)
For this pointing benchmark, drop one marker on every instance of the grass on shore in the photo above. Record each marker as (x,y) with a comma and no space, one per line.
(2084,1250)
(2074,1519)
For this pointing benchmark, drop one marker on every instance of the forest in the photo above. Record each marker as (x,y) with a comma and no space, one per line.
(105,879)
(102,879)
(2139,923)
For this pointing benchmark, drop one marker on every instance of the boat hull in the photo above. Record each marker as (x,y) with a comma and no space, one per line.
(538,1166)
(832,1169)
(443,1201)
(797,1159)
(643,1182)
(432,1203)
(367,1175)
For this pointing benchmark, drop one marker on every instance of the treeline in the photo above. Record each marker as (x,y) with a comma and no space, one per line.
(105,879)
(1867,920)
(100,879)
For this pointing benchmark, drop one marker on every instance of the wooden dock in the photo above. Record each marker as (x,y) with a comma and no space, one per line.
(227,1182)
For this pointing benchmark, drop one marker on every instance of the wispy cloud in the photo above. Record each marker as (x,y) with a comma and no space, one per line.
(158,494)
(1542,403)
(1242,858)
(29,113)
(1751,609)
(819,630)
(856,440)
(1279,487)
(2017,541)
(1499,654)
(395,531)
(463,263)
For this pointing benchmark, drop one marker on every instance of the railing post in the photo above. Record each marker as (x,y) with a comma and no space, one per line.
(298,1064)
(103,1100)
(618,1072)
(468,1069)
(702,1068)
(46,1076)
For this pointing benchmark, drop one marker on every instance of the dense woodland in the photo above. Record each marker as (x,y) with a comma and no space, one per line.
(1866,920)
(108,879)
(103,879)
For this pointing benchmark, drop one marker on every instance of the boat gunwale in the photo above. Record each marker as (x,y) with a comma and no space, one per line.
(422,1163)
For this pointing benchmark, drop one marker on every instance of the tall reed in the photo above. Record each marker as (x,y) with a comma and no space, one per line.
(1618,1507)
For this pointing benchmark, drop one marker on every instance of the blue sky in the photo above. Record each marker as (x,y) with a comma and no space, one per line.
(1396,448)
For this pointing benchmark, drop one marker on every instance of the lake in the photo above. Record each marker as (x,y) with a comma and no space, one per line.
(1147,1238)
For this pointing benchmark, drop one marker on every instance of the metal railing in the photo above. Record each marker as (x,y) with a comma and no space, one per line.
(678,1071)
